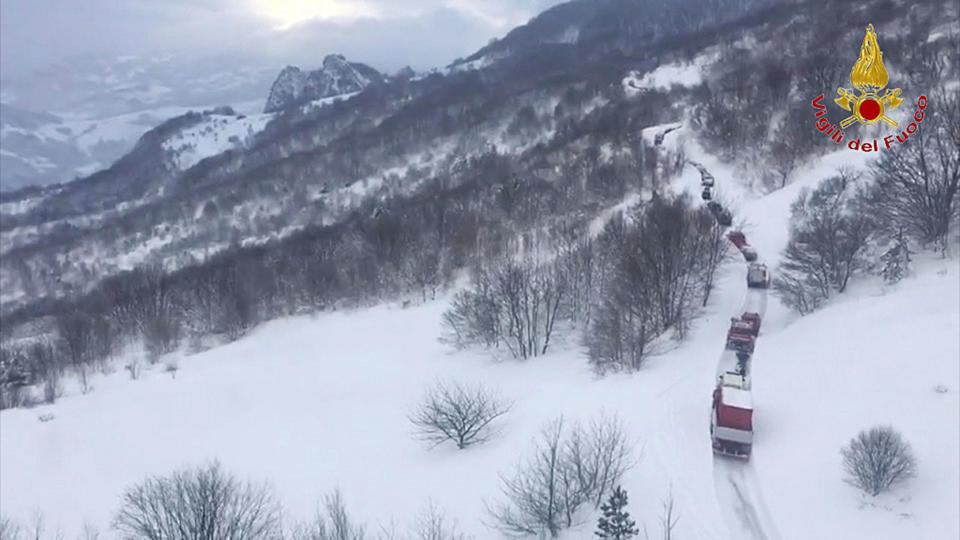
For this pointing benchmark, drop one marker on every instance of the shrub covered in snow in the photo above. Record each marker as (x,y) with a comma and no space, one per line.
(877,459)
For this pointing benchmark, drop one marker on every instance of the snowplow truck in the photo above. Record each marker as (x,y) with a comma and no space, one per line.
(740,337)
(731,421)
(738,239)
(757,276)
(753,319)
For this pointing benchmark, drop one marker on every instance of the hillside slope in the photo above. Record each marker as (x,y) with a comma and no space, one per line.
(312,403)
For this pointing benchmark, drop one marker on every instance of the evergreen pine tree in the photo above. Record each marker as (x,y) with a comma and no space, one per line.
(615,523)
(896,260)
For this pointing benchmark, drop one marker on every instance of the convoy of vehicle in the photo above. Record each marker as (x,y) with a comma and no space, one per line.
(731,411)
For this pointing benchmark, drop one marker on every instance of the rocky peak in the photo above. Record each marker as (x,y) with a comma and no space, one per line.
(336,76)
(406,72)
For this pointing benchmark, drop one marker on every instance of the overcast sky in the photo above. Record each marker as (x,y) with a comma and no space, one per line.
(387,34)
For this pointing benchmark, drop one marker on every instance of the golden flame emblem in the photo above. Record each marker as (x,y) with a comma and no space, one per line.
(869,77)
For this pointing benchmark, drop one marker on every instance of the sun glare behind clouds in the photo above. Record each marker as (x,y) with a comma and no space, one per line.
(287,13)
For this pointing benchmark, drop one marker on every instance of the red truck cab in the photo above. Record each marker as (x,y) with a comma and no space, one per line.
(753,319)
(741,336)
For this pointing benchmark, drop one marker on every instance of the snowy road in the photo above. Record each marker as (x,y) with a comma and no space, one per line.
(738,490)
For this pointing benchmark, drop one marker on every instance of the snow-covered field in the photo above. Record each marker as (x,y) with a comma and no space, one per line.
(315,403)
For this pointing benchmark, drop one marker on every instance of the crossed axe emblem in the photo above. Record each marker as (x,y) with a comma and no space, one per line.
(875,107)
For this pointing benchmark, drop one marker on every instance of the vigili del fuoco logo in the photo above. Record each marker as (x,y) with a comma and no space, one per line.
(869,77)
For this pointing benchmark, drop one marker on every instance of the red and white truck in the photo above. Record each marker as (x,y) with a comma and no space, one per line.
(740,241)
(731,418)
(741,336)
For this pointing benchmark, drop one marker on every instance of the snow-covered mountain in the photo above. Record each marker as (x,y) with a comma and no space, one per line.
(38,149)
(337,76)
(112,104)
(77,117)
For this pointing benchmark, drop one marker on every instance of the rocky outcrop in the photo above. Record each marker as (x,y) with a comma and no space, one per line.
(337,76)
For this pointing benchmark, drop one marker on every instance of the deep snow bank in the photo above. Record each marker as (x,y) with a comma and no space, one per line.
(872,358)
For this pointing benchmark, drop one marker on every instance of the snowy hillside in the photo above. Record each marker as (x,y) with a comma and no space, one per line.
(216,134)
(315,403)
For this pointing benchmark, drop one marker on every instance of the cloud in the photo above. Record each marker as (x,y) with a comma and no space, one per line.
(384,33)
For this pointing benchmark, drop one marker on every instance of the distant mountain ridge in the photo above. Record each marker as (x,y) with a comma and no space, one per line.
(337,76)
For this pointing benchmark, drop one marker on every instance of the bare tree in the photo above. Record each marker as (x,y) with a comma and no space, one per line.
(534,503)
(203,503)
(828,240)
(83,377)
(668,520)
(89,532)
(432,524)
(334,523)
(52,387)
(76,334)
(661,259)
(565,472)
(877,459)
(916,187)
(458,413)
(513,305)
(473,318)
(134,367)
(9,529)
(38,527)
(600,454)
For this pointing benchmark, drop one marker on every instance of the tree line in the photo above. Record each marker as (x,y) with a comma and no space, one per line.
(646,274)
(407,246)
